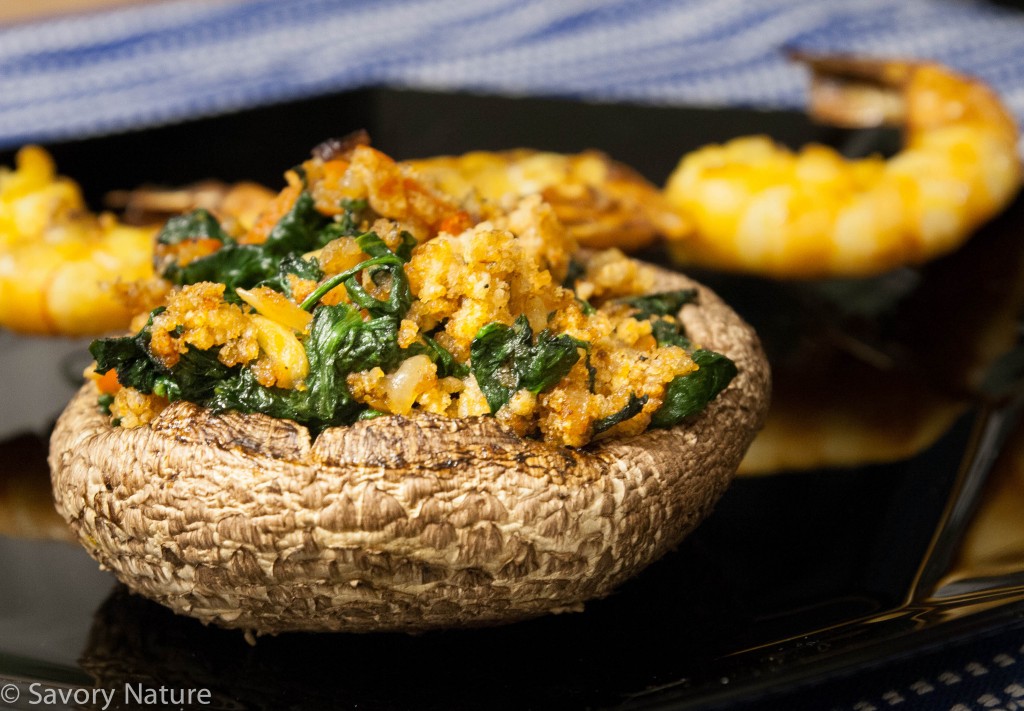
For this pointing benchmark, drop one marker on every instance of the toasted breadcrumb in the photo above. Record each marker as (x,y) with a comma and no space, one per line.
(198,317)
(134,409)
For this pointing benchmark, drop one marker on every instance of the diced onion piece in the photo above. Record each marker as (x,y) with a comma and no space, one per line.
(286,354)
(276,307)
(415,376)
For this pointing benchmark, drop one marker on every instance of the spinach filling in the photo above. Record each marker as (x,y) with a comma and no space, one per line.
(687,394)
(342,340)
(505,359)
(339,342)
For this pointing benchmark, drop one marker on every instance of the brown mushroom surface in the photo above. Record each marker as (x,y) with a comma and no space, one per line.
(396,523)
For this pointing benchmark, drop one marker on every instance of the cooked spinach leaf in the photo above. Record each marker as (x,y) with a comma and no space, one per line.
(197,224)
(688,394)
(443,359)
(404,250)
(631,409)
(368,345)
(667,333)
(130,357)
(298,230)
(371,243)
(575,271)
(386,262)
(243,265)
(293,264)
(399,297)
(338,338)
(339,343)
(504,359)
(549,361)
(667,303)
(492,357)
(235,265)
(192,378)
(105,400)
(351,217)
(347,224)
(585,307)
(245,394)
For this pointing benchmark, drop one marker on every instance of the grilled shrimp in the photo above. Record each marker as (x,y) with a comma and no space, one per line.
(66,271)
(758,207)
(601,202)
(59,262)
(238,204)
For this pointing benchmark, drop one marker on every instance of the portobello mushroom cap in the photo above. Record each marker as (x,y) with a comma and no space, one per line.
(395,523)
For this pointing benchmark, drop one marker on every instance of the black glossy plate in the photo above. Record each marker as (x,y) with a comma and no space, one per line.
(795,577)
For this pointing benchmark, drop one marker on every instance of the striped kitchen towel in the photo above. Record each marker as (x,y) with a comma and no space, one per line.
(160,62)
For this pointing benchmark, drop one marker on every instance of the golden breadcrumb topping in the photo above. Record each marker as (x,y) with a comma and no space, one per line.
(464,275)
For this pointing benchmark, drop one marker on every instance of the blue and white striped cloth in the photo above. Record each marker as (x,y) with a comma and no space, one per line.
(161,62)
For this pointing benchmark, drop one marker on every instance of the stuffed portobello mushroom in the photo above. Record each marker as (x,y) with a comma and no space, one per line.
(377,410)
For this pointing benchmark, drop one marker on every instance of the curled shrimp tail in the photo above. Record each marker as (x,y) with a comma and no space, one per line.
(856,92)
(862,92)
(759,207)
